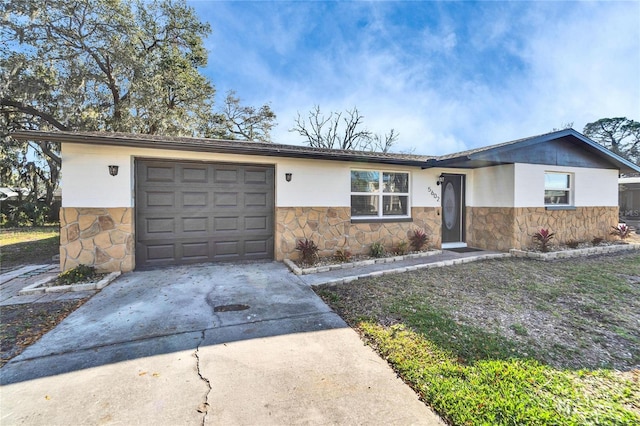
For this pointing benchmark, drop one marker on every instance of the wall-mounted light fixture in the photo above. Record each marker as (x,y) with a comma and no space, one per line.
(113,170)
(288,176)
(440,180)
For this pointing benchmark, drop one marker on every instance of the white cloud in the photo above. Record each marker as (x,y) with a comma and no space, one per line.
(467,75)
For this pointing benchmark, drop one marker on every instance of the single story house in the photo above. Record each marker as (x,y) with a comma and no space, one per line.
(134,201)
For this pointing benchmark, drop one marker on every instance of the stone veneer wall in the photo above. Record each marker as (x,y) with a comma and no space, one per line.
(503,228)
(99,237)
(490,228)
(331,229)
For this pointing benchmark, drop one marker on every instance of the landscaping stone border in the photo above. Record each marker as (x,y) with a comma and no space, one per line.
(565,254)
(403,269)
(40,286)
(348,265)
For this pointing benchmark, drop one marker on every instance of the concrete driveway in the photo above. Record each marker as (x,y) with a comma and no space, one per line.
(228,344)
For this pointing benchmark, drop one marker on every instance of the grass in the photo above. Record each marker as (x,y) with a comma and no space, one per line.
(23,246)
(23,324)
(503,392)
(509,341)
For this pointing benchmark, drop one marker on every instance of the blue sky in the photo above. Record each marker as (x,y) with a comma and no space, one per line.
(447,76)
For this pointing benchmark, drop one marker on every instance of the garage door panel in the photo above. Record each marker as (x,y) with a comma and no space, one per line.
(221,224)
(227,248)
(195,212)
(256,177)
(159,225)
(255,199)
(225,199)
(192,174)
(195,199)
(195,250)
(256,223)
(160,174)
(160,252)
(225,175)
(195,224)
(257,247)
(160,199)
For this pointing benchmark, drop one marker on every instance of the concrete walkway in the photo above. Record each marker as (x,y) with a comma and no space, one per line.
(207,344)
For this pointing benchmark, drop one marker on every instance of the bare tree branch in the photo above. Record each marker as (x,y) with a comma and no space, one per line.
(341,132)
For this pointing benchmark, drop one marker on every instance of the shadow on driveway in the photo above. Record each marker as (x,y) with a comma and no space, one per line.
(146,313)
(237,344)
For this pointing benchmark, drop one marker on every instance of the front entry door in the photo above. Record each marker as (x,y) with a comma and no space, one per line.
(453,210)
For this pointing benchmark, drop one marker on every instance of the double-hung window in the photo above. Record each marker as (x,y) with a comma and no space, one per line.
(558,189)
(379,194)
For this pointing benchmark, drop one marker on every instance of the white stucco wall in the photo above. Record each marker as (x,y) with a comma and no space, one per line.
(592,187)
(491,187)
(86,181)
(328,183)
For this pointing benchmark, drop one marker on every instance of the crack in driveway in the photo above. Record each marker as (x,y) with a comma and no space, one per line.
(204,407)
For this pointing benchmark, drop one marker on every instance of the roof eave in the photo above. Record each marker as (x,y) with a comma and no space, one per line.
(222,147)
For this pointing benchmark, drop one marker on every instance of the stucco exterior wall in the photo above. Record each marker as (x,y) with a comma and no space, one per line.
(90,192)
(505,204)
(491,186)
(522,185)
(592,187)
(331,229)
(86,181)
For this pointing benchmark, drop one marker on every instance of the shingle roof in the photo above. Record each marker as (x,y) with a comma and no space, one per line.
(498,154)
(221,146)
(479,157)
(470,152)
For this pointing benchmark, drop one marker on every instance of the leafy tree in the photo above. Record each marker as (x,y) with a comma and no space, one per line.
(620,135)
(105,65)
(338,131)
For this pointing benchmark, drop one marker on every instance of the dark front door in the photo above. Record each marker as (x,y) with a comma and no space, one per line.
(189,212)
(453,209)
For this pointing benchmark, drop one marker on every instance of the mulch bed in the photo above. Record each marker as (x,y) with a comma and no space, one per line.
(22,325)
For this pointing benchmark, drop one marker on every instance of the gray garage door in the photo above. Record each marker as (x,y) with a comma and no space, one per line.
(198,212)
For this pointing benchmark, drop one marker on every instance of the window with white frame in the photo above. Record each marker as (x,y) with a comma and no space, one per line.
(376,193)
(558,189)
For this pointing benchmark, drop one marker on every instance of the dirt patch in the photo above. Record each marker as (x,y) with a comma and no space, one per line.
(576,313)
(21,325)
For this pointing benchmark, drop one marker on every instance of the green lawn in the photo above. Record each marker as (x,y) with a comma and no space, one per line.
(510,341)
(23,246)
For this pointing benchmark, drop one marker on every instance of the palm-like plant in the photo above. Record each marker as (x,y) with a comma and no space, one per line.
(622,231)
(542,238)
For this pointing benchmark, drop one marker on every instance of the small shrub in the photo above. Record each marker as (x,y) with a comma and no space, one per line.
(572,244)
(308,251)
(622,231)
(596,241)
(78,274)
(377,249)
(402,248)
(343,255)
(542,238)
(418,240)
